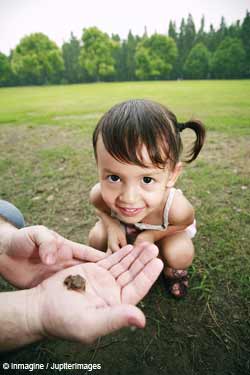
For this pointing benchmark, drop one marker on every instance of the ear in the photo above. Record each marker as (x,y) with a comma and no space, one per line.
(174,174)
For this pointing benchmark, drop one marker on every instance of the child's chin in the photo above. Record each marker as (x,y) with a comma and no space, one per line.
(131,220)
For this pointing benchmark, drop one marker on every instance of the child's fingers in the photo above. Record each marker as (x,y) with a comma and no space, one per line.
(122,240)
(114,247)
(113,244)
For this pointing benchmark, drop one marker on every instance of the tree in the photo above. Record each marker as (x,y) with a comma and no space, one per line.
(201,34)
(211,42)
(220,34)
(245,37)
(172,33)
(97,54)
(228,60)
(73,72)
(5,71)
(37,60)
(185,42)
(155,57)
(197,63)
(118,57)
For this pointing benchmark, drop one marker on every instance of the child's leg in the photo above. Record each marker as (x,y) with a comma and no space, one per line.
(177,252)
(98,236)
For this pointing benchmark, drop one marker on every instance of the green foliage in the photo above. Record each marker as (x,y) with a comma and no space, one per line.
(228,60)
(96,54)
(73,72)
(197,63)
(183,53)
(185,42)
(245,37)
(5,71)
(125,60)
(155,57)
(37,60)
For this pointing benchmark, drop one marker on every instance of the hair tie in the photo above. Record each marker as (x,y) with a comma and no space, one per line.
(181,126)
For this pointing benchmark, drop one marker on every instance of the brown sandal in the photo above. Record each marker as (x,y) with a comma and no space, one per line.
(178,282)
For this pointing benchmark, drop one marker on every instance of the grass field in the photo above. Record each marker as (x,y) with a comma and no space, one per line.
(47,169)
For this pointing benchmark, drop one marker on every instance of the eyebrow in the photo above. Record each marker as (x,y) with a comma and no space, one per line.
(147,173)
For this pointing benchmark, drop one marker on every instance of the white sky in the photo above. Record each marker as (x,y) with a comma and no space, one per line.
(57,18)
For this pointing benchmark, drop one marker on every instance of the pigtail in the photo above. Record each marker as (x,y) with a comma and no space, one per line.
(200,132)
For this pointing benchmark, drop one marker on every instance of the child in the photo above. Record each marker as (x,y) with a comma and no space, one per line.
(137,147)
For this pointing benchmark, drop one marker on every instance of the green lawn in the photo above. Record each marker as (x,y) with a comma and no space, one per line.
(47,169)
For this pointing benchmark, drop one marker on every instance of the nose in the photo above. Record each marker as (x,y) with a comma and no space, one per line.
(129,194)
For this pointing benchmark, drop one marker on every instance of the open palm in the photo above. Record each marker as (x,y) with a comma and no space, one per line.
(113,286)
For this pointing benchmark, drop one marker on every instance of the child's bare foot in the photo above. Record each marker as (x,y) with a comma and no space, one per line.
(176,282)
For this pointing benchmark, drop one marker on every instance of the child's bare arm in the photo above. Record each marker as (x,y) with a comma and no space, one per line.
(96,199)
(102,210)
(181,215)
(116,236)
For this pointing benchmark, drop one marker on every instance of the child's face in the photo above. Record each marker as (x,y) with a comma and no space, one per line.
(131,191)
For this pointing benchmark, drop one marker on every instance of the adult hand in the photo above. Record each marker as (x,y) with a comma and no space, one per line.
(113,286)
(36,252)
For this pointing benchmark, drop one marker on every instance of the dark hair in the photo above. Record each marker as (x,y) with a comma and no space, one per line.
(127,126)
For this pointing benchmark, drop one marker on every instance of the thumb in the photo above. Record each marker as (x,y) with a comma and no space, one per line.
(46,242)
(112,318)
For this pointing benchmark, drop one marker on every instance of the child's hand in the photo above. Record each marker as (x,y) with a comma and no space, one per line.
(116,238)
(146,236)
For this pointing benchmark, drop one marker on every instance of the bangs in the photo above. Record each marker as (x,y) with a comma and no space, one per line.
(129,126)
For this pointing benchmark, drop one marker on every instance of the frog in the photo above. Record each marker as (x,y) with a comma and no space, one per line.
(75,282)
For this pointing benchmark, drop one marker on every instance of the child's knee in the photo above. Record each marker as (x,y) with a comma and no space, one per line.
(97,237)
(181,254)
(91,236)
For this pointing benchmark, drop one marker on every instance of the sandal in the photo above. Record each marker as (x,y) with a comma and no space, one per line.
(177,283)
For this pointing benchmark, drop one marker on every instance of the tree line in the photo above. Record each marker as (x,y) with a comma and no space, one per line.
(184,53)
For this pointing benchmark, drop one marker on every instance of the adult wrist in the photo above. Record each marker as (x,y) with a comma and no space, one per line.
(33,313)
(20,319)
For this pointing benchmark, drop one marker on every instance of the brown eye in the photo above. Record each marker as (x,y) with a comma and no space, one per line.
(147,180)
(113,178)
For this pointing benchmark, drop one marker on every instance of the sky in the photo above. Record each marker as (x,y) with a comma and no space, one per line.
(58,18)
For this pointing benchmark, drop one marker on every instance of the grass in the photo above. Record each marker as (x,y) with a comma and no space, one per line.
(47,169)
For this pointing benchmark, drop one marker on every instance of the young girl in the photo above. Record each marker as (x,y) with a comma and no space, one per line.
(137,146)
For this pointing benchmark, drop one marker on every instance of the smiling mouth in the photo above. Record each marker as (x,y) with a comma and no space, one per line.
(130,211)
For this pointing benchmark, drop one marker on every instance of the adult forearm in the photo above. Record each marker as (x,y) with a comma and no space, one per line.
(18,319)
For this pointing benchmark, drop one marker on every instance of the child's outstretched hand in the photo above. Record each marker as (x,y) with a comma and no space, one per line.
(145,236)
(116,238)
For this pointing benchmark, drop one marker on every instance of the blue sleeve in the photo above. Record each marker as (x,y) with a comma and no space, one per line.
(12,214)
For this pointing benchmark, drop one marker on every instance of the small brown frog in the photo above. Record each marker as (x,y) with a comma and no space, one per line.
(75,282)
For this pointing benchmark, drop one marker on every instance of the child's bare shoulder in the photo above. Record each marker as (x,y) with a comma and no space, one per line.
(96,199)
(181,211)
(95,193)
